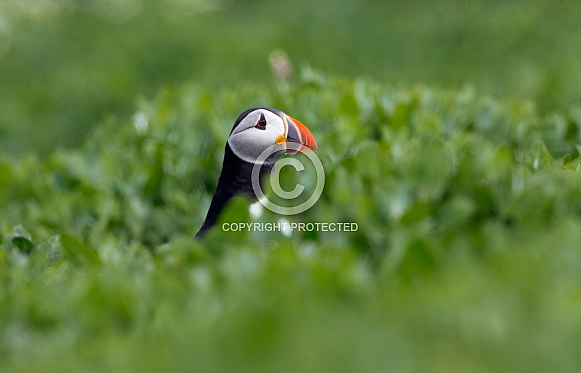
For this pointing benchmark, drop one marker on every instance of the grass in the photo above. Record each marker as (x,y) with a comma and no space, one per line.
(466,257)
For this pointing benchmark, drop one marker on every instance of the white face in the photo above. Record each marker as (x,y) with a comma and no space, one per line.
(248,142)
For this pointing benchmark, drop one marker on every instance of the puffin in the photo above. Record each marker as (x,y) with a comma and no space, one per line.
(256,132)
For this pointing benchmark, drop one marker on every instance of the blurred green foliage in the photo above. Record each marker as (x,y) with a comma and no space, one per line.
(113,119)
(65,65)
(466,257)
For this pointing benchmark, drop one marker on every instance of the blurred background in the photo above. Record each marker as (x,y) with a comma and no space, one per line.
(65,65)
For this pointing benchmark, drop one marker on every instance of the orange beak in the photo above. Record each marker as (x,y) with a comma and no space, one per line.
(299,133)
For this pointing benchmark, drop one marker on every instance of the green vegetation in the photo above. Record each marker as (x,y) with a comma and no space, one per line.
(467,254)
(66,65)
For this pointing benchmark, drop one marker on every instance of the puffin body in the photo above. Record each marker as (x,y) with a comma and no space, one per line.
(256,131)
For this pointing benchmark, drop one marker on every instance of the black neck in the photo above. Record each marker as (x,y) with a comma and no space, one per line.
(235,178)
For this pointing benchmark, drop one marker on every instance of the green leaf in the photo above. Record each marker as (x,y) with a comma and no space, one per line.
(47,253)
(21,239)
(78,252)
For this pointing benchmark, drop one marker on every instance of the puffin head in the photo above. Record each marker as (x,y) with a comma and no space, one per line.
(259,129)
(256,131)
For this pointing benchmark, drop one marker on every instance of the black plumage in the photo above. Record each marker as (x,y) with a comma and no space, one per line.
(235,179)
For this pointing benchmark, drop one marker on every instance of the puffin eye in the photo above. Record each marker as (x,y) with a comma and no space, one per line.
(261,124)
